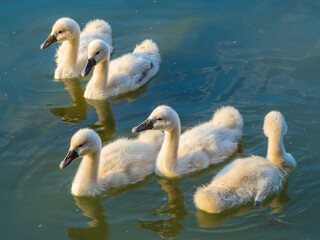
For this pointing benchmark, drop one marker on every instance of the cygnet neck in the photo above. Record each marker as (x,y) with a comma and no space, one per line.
(70,57)
(168,155)
(86,178)
(276,150)
(100,76)
(101,70)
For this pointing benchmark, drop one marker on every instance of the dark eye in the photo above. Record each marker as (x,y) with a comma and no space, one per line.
(60,32)
(159,119)
(97,53)
(81,145)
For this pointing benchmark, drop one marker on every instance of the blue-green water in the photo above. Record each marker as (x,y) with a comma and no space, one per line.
(255,55)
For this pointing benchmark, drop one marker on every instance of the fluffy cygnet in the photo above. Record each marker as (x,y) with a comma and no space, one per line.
(250,179)
(71,56)
(117,164)
(124,74)
(208,143)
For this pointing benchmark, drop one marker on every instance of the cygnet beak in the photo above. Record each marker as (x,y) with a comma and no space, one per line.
(49,41)
(91,63)
(71,155)
(147,124)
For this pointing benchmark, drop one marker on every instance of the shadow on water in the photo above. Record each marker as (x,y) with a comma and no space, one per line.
(98,228)
(106,125)
(78,112)
(175,208)
(273,205)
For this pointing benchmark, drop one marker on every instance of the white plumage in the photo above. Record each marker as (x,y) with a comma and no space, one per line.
(208,143)
(250,179)
(124,74)
(117,164)
(71,56)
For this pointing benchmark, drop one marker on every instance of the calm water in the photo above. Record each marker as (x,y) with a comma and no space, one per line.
(257,56)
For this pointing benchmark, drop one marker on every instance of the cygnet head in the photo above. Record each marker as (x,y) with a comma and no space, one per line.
(64,29)
(98,51)
(162,118)
(274,124)
(83,142)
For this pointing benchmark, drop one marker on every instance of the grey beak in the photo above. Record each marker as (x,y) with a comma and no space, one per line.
(90,64)
(71,155)
(147,124)
(49,41)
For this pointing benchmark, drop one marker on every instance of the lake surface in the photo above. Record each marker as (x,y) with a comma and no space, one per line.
(254,55)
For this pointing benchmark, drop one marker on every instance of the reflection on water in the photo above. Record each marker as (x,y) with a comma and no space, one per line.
(175,208)
(274,205)
(106,125)
(98,228)
(78,112)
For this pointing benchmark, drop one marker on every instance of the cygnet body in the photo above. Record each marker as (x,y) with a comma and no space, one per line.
(250,179)
(117,164)
(71,56)
(124,74)
(208,143)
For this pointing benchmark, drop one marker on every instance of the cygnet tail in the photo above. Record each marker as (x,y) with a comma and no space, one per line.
(207,200)
(98,26)
(228,117)
(148,47)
